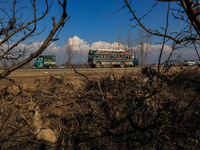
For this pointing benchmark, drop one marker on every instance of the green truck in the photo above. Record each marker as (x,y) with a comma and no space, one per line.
(47,61)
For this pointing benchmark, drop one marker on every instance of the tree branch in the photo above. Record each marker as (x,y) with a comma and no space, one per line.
(43,46)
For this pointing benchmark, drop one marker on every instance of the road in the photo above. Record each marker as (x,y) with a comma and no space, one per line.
(23,76)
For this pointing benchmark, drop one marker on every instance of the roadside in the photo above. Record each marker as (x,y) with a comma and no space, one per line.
(27,77)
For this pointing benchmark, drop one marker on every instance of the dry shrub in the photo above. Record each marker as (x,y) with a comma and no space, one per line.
(30,118)
(105,113)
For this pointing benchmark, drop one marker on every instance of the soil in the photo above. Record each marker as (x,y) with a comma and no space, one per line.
(27,77)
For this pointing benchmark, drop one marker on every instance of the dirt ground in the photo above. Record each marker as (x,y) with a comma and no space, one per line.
(140,110)
(27,77)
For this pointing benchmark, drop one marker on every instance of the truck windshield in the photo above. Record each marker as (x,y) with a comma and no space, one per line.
(39,59)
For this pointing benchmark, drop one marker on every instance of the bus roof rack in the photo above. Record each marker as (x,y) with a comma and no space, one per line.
(110,50)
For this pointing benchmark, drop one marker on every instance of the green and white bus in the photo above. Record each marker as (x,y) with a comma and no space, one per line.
(109,57)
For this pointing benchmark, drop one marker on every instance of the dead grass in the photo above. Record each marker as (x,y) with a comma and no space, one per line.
(103,112)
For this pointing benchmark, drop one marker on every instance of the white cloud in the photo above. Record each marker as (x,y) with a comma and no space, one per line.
(34,46)
(53,48)
(166,48)
(106,45)
(78,44)
(100,44)
(82,48)
(154,53)
(77,41)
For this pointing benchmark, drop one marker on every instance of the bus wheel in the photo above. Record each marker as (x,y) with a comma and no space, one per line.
(98,65)
(122,65)
(92,66)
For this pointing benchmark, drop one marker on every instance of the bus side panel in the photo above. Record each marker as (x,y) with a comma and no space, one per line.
(111,58)
(113,61)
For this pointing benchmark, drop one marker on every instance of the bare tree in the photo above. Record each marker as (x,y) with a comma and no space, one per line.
(186,12)
(16,27)
(4,63)
(69,48)
(143,42)
(130,42)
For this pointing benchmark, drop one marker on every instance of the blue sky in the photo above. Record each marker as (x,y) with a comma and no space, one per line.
(88,19)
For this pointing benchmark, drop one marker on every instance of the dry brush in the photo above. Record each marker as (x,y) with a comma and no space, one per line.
(105,113)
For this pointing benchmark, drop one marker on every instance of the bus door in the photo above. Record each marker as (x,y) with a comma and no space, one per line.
(112,60)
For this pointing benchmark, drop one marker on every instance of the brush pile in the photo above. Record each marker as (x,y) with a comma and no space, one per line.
(148,112)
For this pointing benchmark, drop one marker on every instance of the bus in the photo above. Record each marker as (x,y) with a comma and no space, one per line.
(109,57)
(48,61)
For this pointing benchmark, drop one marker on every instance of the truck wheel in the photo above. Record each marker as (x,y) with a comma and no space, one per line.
(98,65)
(92,66)
(122,65)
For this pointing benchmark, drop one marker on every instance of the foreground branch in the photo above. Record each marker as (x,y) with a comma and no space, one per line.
(45,44)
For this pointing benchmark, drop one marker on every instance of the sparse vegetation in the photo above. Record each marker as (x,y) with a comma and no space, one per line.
(105,113)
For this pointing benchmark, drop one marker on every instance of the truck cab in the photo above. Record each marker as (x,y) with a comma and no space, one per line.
(39,62)
(135,62)
(189,63)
